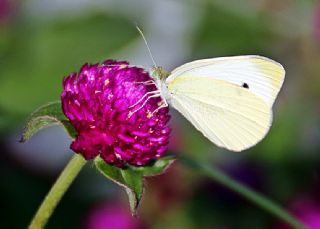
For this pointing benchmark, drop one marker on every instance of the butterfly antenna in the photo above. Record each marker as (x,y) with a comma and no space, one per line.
(148,47)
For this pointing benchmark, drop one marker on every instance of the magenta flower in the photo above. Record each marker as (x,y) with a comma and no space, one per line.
(307,210)
(316,22)
(6,8)
(108,106)
(111,215)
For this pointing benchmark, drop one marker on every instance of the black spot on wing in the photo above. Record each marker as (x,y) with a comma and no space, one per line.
(245,85)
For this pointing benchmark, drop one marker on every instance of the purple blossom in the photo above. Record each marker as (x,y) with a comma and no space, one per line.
(107,105)
(307,210)
(6,8)
(316,22)
(111,216)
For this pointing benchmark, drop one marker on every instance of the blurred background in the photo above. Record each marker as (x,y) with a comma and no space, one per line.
(41,41)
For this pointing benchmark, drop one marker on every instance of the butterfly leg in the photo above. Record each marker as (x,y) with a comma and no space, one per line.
(148,82)
(162,104)
(144,96)
(155,94)
(123,65)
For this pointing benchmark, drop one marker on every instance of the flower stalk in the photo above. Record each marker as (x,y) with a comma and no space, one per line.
(256,198)
(57,191)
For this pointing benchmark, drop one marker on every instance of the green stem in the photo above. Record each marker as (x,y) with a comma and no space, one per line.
(57,191)
(244,191)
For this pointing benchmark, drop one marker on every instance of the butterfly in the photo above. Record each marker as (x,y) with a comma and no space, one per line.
(228,99)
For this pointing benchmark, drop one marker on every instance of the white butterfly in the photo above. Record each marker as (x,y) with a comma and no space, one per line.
(228,99)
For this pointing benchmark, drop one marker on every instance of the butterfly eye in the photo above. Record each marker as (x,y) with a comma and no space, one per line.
(245,85)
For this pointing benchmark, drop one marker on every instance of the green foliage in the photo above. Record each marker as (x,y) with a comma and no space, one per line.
(46,115)
(132,177)
(156,168)
(130,180)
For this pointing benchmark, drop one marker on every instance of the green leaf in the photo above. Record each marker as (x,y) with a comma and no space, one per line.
(46,115)
(131,180)
(135,188)
(158,167)
(132,177)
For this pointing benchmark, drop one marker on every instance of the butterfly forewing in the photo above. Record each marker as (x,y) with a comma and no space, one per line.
(260,75)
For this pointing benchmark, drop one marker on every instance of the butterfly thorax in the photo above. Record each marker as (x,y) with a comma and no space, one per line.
(159,76)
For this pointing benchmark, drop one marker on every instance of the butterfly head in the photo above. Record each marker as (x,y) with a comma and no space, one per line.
(158,73)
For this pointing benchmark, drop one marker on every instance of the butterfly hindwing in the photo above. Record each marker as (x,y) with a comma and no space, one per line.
(227,114)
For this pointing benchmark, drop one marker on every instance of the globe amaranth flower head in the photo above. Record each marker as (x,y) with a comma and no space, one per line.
(113,115)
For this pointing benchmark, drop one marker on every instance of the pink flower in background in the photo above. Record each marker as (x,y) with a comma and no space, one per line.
(111,216)
(316,22)
(166,191)
(307,211)
(6,7)
(177,141)
(106,104)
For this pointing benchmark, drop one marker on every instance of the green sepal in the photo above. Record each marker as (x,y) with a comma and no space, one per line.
(132,177)
(47,115)
(155,168)
(130,180)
